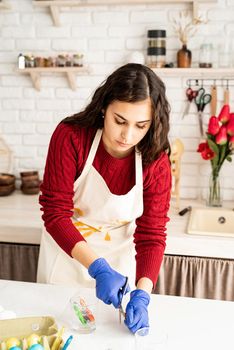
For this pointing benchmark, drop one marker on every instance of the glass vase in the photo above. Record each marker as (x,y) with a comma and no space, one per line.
(214,198)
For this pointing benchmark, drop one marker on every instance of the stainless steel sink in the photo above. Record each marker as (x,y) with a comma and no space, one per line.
(211,221)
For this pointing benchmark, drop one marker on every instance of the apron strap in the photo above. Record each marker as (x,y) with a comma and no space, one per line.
(90,158)
(139,170)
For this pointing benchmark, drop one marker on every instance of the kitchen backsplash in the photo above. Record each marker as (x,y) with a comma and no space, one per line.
(106,35)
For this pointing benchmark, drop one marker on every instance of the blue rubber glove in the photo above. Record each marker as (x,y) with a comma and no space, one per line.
(136,311)
(108,282)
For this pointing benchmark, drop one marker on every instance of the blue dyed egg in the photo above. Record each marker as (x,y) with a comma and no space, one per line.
(15,348)
(36,347)
(33,339)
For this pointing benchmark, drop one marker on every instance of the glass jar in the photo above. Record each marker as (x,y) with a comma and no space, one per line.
(61,60)
(29,61)
(156,57)
(78,60)
(156,51)
(156,38)
(205,56)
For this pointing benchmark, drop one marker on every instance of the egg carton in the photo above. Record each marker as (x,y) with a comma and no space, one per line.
(22,328)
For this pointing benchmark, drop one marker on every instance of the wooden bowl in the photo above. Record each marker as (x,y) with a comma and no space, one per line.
(5,190)
(29,176)
(32,190)
(7,179)
(28,173)
(31,183)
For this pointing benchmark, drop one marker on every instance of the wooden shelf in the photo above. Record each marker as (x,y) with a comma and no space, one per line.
(4,6)
(54,5)
(70,73)
(216,73)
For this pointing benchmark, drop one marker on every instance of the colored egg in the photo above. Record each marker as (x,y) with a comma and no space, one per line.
(12,342)
(15,348)
(33,339)
(36,347)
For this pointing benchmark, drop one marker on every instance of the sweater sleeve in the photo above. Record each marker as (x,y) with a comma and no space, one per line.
(150,234)
(56,196)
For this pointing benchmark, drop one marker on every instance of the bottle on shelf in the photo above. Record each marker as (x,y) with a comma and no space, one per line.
(21,61)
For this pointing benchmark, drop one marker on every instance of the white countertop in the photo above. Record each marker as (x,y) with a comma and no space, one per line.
(190,323)
(20,221)
(20,218)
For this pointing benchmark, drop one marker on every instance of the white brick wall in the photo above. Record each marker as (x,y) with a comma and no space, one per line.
(106,35)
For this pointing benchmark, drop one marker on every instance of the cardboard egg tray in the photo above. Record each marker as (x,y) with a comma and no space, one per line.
(22,328)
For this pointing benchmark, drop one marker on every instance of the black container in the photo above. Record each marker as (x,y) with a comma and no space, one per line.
(156,51)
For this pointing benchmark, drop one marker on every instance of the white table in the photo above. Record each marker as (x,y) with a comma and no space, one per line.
(191,323)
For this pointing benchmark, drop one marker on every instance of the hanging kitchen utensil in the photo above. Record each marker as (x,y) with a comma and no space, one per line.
(213,102)
(201,100)
(190,94)
(226,97)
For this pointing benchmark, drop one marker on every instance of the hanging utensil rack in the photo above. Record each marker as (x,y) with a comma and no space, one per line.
(223,82)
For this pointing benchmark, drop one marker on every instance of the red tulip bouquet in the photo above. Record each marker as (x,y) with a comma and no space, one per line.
(218,146)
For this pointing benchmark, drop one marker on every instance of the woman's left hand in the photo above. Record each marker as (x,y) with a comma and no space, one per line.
(137,311)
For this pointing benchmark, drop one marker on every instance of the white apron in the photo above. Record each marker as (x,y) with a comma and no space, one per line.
(106,220)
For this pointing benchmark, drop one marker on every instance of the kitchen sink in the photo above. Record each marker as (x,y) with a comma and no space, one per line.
(211,221)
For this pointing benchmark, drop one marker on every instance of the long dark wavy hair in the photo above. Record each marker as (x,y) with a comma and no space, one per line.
(131,83)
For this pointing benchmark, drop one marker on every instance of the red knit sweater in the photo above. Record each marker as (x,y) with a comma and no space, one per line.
(68,150)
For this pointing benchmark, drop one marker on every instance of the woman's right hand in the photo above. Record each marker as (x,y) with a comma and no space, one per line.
(108,282)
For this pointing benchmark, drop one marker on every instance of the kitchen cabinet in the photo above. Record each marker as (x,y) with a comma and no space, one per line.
(20,231)
(55,5)
(18,261)
(70,72)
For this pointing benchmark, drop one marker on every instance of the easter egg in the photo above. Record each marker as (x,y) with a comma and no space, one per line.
(36,347)
(33,339)
(15,348)
(12,342)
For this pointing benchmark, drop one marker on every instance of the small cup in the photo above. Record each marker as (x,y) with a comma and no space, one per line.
(83,313)
(148,339)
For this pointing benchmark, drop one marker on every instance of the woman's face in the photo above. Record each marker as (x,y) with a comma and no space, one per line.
(125,125)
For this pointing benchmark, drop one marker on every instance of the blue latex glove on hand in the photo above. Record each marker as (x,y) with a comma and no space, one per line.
(108,282)
(136,311)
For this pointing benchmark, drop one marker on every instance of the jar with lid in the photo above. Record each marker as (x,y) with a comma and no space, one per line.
(205,56)
(156,51)
(61,60)
(156,57)
(29,61)
(78,60)
(156,38)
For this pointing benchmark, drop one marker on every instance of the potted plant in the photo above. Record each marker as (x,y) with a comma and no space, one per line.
(218,147)
(185,27)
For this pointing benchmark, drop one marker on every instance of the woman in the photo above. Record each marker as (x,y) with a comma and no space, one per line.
(106,188)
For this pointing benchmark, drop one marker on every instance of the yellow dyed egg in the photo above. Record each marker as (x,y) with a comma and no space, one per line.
(33,339)
(11,342)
